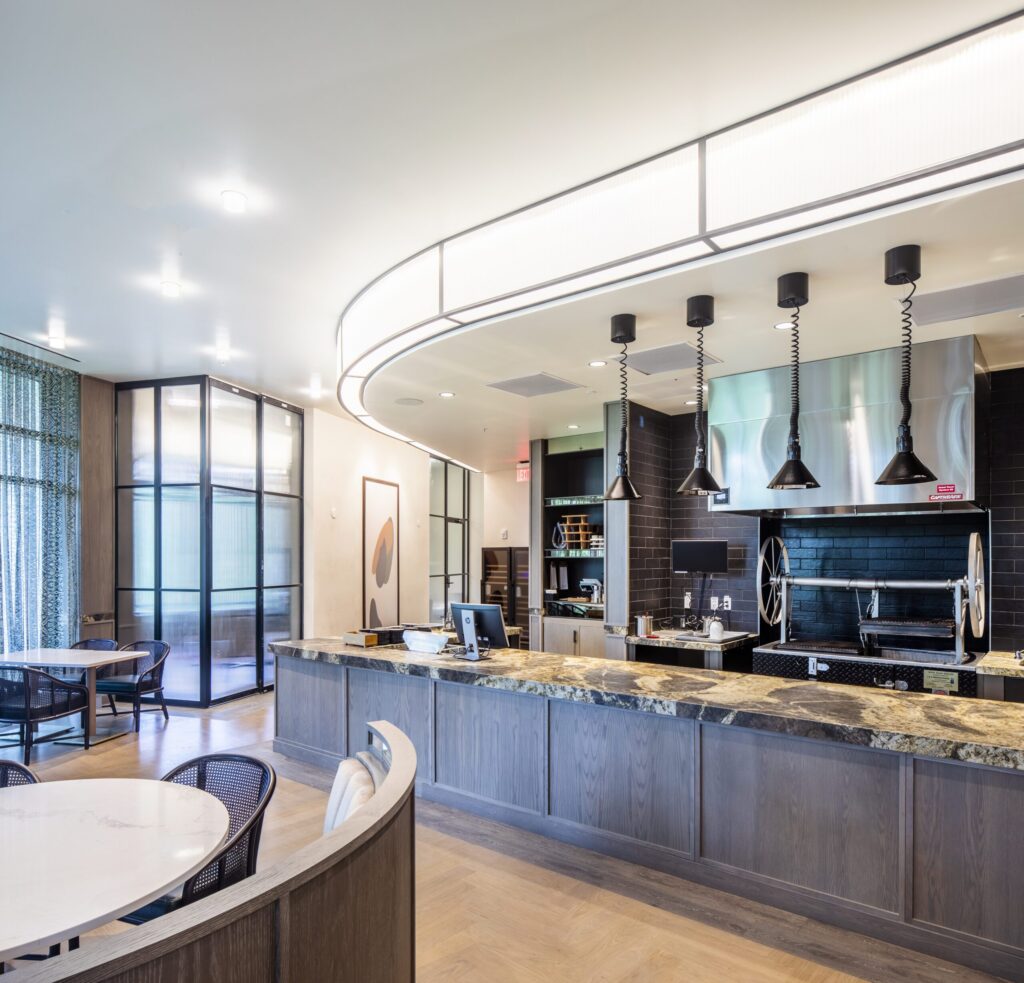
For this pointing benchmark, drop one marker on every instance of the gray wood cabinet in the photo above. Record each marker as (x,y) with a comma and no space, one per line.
(820,816)
(560,635)
(310,710)
(574,636)
(590,640)
(615,771)
(490,744)
(921,852)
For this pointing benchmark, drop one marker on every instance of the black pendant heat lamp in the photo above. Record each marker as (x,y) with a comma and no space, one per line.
(700,314)
(621,489)
(793,294)
(903,265)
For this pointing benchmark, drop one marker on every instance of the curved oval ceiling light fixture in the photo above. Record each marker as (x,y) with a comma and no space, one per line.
(903,266)
(738,187)
(700,314)
(622,488)
(794,474)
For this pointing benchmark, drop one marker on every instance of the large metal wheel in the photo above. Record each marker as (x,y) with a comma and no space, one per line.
(976,584)
(772,566)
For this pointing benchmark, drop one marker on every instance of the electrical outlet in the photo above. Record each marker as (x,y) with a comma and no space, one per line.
(727,602)
(687,601)
(714,603)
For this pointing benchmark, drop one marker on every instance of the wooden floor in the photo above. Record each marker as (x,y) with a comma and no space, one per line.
(496,904)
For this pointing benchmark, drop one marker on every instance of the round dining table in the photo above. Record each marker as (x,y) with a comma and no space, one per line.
(77,854)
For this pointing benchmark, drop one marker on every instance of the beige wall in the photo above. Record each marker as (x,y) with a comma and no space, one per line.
(506,505)
(339,453)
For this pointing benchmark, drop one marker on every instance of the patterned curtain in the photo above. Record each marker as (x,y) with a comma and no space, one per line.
(39,438)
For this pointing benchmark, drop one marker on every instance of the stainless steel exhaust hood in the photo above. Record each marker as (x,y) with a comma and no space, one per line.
(849,412)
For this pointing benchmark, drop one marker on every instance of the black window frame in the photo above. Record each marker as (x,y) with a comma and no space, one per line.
(447,576)
(206,493)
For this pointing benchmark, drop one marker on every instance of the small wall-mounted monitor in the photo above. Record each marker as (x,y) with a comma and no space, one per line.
(700,556)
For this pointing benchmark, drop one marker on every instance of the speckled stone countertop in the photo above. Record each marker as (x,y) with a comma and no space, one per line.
(1000,664)
(670,640)
(979,731)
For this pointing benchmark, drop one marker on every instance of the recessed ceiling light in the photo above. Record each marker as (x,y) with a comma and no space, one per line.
(56,334)
(316,389)
(170,288)
(408,401)
(783,325)
(446,395)
(222,351)
(691,402)
(234,202)
(574,426)
(598,363)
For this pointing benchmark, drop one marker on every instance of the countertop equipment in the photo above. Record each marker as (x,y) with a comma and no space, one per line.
(775,602)
(595,587)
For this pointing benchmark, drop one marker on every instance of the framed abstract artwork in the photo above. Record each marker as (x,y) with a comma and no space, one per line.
(380,553)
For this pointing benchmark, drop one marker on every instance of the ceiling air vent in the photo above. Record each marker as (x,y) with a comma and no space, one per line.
(541,384)
(671,358)
(973,300)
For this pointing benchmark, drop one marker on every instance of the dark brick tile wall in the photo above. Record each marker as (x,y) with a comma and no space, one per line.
(690,519)
(907,547)
(1007,501)
(649,534)
(917,547)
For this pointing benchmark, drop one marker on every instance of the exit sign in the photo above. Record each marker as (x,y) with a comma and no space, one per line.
(522,471)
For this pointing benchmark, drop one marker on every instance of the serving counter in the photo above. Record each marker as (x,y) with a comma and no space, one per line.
(894,814)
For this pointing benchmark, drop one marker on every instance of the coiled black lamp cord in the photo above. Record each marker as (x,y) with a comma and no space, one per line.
(624,402)
(700,457)
(794,384)
(905,355)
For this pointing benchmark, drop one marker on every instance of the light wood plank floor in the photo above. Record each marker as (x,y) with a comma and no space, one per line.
(497,905)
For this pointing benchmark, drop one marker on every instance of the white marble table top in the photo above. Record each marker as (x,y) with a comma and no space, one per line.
(77,854)
(78,658)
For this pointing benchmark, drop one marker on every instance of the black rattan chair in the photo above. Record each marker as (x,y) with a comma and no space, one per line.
(31,696)
(245,785)
(74,674)
(11,774)
(137,677)
(96,645)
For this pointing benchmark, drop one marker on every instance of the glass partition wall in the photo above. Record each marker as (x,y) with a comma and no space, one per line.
(209,531)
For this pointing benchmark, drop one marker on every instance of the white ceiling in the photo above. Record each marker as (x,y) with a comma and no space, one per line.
(361,132)
(970,239)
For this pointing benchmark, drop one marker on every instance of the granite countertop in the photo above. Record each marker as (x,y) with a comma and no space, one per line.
(668,638)
(999,664)
(979,731)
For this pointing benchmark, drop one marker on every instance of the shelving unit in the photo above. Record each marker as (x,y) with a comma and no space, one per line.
(573,490)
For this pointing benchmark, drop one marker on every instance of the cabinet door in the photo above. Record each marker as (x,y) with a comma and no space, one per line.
(591,640)
(560,636)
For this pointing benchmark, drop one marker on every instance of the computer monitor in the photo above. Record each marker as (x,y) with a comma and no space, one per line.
(700,556)
(487,622)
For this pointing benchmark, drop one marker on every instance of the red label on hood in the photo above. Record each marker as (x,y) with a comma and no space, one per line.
(945,489)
